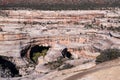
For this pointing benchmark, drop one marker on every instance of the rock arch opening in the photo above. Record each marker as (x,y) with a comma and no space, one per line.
(24,51)
(33,52)
(37,51)
(66,53)
(7,68)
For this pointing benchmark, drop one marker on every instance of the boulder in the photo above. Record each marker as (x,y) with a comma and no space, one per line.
(41,60)
(54,53)
(40,68)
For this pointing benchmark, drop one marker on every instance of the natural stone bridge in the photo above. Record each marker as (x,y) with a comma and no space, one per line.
(23,27)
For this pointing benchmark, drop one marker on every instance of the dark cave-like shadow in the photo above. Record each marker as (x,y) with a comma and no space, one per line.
(5,64)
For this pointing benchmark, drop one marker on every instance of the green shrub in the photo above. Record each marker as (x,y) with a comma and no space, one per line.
(35,56)
(108,54)
(38,54)
(66,66)
(55,64)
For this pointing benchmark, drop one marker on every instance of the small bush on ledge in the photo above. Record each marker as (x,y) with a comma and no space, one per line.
(108,54)
(55,64)
(65,66)
(114,29)
(38,54)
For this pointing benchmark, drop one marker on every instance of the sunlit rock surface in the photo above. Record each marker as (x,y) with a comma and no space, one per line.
(82,33)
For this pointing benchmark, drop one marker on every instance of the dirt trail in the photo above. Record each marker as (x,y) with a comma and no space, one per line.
(102,66)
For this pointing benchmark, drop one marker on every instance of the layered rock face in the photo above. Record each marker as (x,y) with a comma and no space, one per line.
(82,33)
(22,27)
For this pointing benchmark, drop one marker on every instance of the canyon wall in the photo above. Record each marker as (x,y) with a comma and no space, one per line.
(23,27)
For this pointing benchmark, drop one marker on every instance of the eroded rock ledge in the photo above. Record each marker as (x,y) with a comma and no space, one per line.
(81,33)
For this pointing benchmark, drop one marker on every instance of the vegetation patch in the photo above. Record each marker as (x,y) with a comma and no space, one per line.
(59,64)
(66,66)
(38,51)
(55,64)
(108,54)
(38,54)
(115,29)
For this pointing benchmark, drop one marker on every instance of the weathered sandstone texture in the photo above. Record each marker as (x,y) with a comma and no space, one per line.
(23,27)
(83,33)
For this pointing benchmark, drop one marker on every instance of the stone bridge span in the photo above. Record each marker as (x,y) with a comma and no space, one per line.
(23,27)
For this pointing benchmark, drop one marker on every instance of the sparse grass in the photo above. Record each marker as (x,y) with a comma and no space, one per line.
(58,63)
(87,61)
(66,66)
(108,54)
(115,29)
(55,64)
